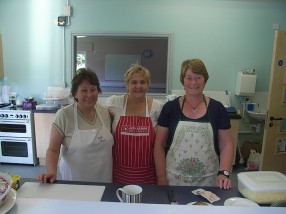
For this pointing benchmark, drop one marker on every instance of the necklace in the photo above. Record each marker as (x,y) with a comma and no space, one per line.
(194,108)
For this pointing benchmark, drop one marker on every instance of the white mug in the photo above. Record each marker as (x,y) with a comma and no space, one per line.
(130,194)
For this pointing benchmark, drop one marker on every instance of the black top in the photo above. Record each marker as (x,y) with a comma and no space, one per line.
(216,114)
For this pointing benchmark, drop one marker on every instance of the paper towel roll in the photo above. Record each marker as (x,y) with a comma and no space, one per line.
(5,93)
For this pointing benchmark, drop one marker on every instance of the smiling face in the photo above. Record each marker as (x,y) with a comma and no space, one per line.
(137,85)
(86,94)
(194,84)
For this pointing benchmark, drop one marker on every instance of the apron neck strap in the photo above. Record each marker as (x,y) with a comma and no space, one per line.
(75,116)
(125,106)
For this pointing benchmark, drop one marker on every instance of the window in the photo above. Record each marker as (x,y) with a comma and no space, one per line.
(110,55)
(80,59)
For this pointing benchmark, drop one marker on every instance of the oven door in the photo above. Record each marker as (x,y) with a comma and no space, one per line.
(18,150)
(15,128)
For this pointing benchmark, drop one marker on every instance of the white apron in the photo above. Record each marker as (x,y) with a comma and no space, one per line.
(192,160)
(89,156)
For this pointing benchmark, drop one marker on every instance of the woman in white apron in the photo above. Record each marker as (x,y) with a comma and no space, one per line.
(81,132)
(193,143)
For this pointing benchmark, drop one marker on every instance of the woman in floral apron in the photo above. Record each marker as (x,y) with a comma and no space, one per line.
(135,118)
(193,143)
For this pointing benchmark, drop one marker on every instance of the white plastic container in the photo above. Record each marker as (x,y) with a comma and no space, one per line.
(262,187)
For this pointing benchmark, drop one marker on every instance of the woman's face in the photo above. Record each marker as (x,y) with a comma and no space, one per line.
(86,94)
(194,84)
(137,85)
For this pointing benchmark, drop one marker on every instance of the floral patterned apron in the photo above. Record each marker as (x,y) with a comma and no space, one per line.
(191,159)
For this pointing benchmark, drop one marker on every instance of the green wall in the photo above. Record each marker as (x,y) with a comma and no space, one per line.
(228,35)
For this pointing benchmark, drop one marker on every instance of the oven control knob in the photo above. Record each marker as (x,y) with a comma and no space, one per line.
(20,116)
(24,116)
(6,115)
(1,115)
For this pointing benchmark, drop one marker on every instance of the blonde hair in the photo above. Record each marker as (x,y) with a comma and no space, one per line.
(197,66)
(135,68)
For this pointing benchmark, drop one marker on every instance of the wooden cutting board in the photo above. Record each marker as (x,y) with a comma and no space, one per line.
(61,191)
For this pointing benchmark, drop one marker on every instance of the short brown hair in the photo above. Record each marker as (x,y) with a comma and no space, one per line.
(197,66)
(84,74)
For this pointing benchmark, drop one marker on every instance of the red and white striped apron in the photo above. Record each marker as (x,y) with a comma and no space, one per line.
(133,160)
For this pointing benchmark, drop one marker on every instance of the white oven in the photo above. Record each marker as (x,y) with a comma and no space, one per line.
(15,127)
(17,137)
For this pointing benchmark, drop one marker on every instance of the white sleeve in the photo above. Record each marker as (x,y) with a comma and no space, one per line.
(109,101)
(115,106)
(155,111)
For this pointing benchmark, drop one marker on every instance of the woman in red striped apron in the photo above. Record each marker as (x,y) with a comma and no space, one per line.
(135,118)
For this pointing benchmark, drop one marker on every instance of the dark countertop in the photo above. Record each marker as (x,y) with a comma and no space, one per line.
(231,115)
(45,111)
(234,116)
(155,194)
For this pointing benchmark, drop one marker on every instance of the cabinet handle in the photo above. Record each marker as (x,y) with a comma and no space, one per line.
(276,118)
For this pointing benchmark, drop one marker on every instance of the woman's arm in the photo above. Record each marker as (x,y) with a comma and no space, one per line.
(226,148)
(159,154)
(52,156)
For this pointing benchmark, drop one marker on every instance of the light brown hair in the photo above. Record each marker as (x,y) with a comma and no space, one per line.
(197,66)
(137,69)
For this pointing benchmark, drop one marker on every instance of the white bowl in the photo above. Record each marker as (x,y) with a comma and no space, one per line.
(9,179)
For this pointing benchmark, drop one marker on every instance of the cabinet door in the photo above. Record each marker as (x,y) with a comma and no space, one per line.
(234,134)
(43,125)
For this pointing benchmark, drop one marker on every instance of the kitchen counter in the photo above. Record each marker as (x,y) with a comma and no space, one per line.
(234,116)
(156,194)
(154,200)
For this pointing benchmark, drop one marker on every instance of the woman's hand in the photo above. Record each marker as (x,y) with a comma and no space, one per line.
(223,182)
(162,181)
(47,177)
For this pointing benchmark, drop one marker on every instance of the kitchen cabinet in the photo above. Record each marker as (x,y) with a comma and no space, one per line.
(1,58)
(43,125)
(234,134)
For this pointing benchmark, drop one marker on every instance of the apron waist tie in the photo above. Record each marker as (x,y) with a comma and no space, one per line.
(134,175)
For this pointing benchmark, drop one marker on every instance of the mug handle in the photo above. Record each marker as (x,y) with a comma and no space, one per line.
(117,193)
